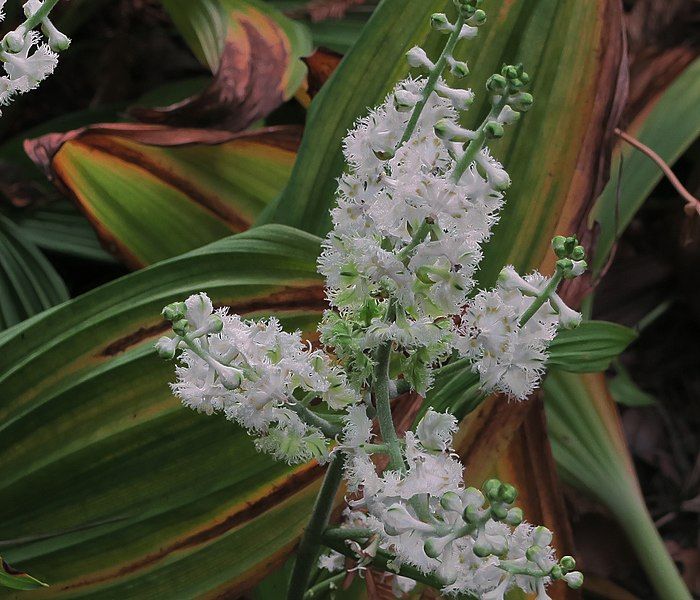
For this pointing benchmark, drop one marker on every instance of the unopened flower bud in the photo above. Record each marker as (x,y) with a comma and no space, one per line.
(404,100)
(507,493)
(574,579)
(175,311)
(494,130)
(458,68)
(556,572)
(499,512)
(491,488)
(533,553)
(568,563)
(468,32)
(515,516)
(522,101)
(417,58)
(230,377)
(14,40)
(482,549)
(58,41)
(451,501)
(578,253)
(496,84)
(181,327)
(478,18)
(559,245)
(510,72)
(542,536)
(508,115)
(166,347)
(440,22)
(446,129)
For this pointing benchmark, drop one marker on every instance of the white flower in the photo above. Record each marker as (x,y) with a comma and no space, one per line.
(510,357)
(333,561)
(251,372)
(435,430)
(27,69)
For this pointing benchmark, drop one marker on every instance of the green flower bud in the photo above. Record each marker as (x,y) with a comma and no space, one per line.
(568,563)
(565,264)
(459,69)
(451,501)
(574,579)
(533,553)
(496,84)
(471,514)
(482,550)
(494,130)
(491,488)
(174,311)
(499,512)
(515,516)
(14,40)
(578,253)
(521,102)
(167,347)
(556,572)
(510,72)
(507,493)
(478,18)
(559,245)
(433,548)
(181,327)
(215,324)
(440,22)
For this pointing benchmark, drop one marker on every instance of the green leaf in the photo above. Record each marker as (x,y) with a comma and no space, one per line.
(152,192)
(573,52)
(625,391)
(590,347)
(591,453)
(17,580)
(59,227)
(28,282)
(148,496)
(669,127)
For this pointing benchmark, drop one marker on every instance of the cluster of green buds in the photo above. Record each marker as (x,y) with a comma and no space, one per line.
(187,325)
(571,256)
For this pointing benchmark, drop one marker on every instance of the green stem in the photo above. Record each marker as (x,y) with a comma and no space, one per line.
(327,584)
(309,546)
(383,405)
(421,233)
(634,518)
(39,15)
(432,81)
(543,297)
(347,533)
(311,418)
(477,143)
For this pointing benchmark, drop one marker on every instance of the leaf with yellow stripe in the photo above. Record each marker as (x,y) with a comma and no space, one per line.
(153,192)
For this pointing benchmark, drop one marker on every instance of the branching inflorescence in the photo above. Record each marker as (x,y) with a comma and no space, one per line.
(416,205)
(27,59)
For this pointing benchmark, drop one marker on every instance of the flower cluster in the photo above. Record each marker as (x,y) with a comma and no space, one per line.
(472,541)
(255,374)
(26,58)
(416,205)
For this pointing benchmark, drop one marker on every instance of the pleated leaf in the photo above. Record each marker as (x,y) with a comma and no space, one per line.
(153,192)
(28,282)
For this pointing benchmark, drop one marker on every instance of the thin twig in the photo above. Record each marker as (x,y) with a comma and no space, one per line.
(691,201)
